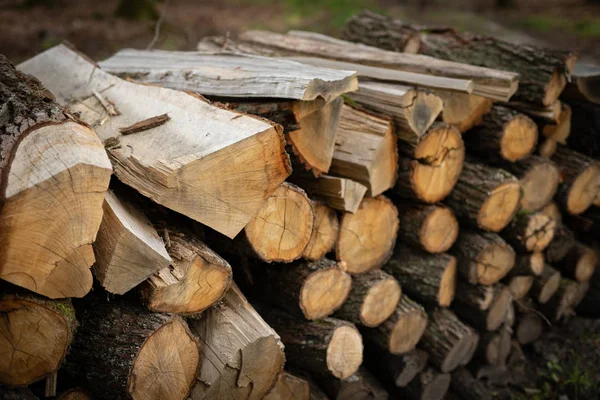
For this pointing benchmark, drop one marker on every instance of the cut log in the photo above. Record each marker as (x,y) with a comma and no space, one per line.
(519,285)
(483,307)
(75,394)
(485,197)
(361,385)
(580,180)
(530,232)
(504,134)
(289,387)
(196,278)
(429,168)
(365,150)
(149,355)
(585,125)
(314,142)
(552,210)
(448,340)
(545,285)
(329,346)
(35,335)
(542,72)
(198,171)
(372,300)
(462,110)
(128,249)
(367,238)
(16,393)
(325,232)
(486,82)
(530,327)
(539,179)
(429,385)
(465,386)
(242,356)
(561,244)
(560,130)
(548,114)
(494,347)
(401,332)
(230,75)
(585,84)
(433,228)
(428,278)
(339,193)
(579,263)
(562,305)
(395,369)
(50,195)
(547,147)
(483,258)
(528,264)
(311,290)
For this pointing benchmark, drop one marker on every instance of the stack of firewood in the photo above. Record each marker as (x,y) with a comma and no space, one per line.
(402,208)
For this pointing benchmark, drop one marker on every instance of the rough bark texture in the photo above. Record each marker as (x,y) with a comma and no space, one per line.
(528,264)
(485,197)
(483,307)
(562,242)
(428,278)
(494,347)
(530,232)
(361,385)
(430,227)
(394,369)
(585,128)
(466,387)
(429,385)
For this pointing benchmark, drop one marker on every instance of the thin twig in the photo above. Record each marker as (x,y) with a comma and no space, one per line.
(158,25)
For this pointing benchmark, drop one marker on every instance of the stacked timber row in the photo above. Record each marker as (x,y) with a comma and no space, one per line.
(399,222)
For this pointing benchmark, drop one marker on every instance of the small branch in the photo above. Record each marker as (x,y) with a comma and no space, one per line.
(145,124)
(158,25)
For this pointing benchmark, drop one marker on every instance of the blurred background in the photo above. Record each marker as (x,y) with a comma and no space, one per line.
(101,27)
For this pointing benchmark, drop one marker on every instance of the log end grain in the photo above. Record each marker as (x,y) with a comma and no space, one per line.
(519,139)
(554,88)
(501,307)
(408,325)
(539,185)
(519,285)
(536,263)
(584,189)
(324,292)
(344,352)
(325,232)
(380,302)
(494,262)
(549,283)
(439,230)
(500,206)
(447,284)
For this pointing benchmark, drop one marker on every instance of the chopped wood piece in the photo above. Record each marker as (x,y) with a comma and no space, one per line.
(431,166)
(579,263)
(373,298)
(433,228)
(75,394)
(398,369)
(542,72)
(401,332)
(242,356)
(530,327)
(230,75)
(325,232)
(53,176)
(462,110)
(585,125)
(127,248)
(483,307)
(367,238)
(494,347)
(580,180)
(485,197)
(339,193)
(561,244)
(312,290)
(562,305)
(428,385)
(504,134)
(198,164)
(365,150)
(448,340)
(329,346)
(560,130)
(539,179)
(547,147)
(530,232)
(149,355)
(428,278)
(361,385)
(465,386)
(552,210)
(146,124)
(528,264)
(36,334)
(289,387)
(545,285)
(519,285)
(483,258)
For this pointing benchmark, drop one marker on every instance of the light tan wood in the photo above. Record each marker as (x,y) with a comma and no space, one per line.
(483,307)
(561,130)
(545,285)
(431,227)
(552,211)
(539,179)
(463,110)
(530,232)
(127,248)
(242,356)
(325,232)
(365,150)
(519,285)
(547,147)
(289,387)
(339,193)
(201,159)
(367,237)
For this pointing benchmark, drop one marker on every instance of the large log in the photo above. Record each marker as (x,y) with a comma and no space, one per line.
(329,346)
(542,73)
(561,244)
(431,227)
(35,335)
(361,385)
(485,197)
(448,341)
(289,387)
(504,134)
(373,298)
(483,258)
(483,307)
(580,180)
(428,278)
(365,150)
(367,238)
(428,385)
(340,193)
(149,355)
(430,166)
(579,263)
(53,176)
(545,285)
(242,356)
(462,110)
(528,264)
(197,160)
(325,232)
(530,232)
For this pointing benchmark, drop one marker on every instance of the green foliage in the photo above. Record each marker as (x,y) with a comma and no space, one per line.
(557,380)
(589,27)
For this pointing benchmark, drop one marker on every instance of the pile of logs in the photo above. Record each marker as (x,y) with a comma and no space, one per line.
(402,207)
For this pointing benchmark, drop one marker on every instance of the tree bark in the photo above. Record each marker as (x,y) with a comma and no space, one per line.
(395,369)
(367,238)
(485,197)
(372,299)
(530,232)
(579,264)
(494,347)
(289,387)
(361,385)
(430,227)
(428,278)
(562,305)
(545,285)
(483,307)
(325,232)
(466,387)
(429,385)
(562,242)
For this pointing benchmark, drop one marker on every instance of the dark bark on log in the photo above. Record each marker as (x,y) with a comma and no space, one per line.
(394,369)
(483,307)
(494,347)
(562,242)
(467,387)
(528,264)
(361,385)
(529,232)
(430,227)
(579,264)
(429,385)
(545,285)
